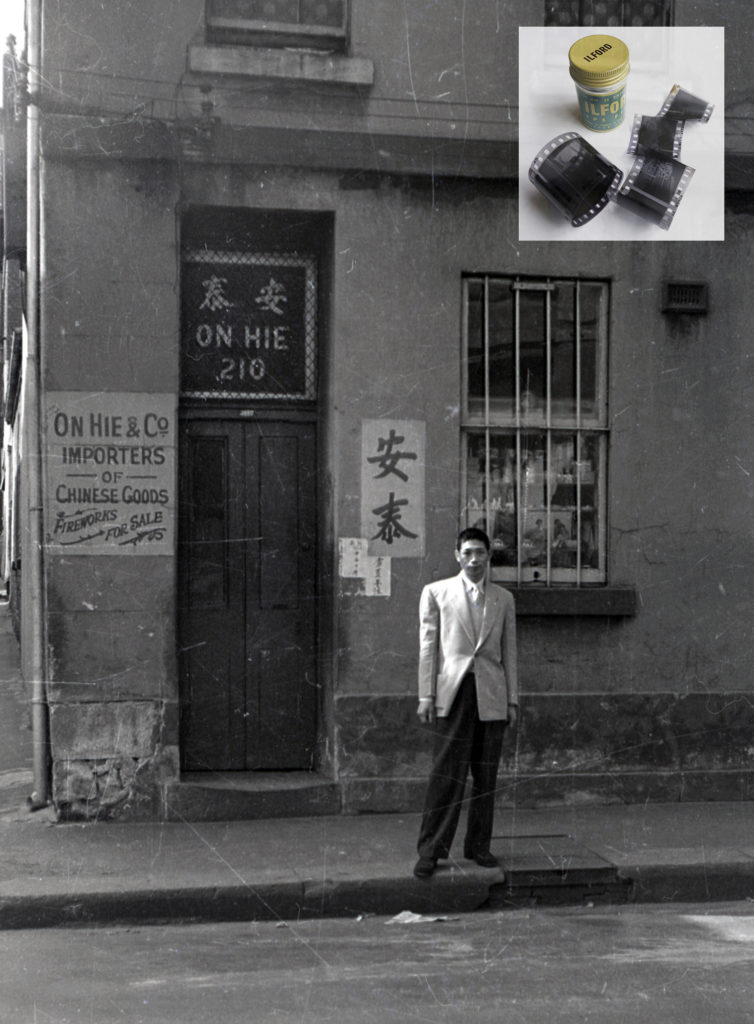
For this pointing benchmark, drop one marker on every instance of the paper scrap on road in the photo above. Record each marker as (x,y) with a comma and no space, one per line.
(409,917)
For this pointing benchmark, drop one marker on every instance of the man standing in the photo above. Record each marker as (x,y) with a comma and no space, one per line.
(468,689)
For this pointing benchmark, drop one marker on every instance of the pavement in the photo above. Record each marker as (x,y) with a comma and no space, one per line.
(55,874)
(283,869)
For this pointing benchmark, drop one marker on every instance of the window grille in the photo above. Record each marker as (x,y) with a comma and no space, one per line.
(534,422)
(312,23)
(609,12)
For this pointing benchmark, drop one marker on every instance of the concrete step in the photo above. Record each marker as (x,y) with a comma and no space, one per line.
(552,870)
(239,796)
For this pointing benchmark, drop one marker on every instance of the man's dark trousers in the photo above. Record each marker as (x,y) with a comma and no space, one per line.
(462,742)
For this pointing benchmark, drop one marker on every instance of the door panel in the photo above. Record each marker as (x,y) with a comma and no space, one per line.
(248,595)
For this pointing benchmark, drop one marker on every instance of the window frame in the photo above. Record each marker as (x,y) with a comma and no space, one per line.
(581,18)
(519,423)
(275,34)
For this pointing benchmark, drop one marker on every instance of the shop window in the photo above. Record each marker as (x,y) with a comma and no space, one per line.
(609,12)
(535,429)
(318,24)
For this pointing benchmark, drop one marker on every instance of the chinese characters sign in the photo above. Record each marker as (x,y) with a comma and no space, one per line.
(110,469)
(249,325)
(392,487)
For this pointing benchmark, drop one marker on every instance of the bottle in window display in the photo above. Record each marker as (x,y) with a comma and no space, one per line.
(564,495)
(535,539)
(497,489)
(504,534)
(534,479)
(529,404)
(509,479)
(563,554)
(504,539)
(589,554)
(559,534)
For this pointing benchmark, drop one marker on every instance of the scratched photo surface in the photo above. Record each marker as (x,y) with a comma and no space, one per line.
(283,314)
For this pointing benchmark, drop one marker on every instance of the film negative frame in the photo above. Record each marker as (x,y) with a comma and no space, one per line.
(646,137)
(649,204)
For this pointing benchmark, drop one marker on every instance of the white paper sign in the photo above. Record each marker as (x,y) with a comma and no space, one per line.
(373,570)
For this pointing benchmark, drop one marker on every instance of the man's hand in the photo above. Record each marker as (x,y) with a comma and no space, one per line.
(512,715)
(426,712)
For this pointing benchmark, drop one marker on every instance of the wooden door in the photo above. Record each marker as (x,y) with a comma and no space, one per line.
(247,612)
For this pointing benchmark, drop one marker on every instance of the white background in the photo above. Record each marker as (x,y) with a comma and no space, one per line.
(660,57)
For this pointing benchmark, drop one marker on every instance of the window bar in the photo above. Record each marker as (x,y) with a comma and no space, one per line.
(548,435)
(487,468)
(578,433)
(517,399)
(463,481)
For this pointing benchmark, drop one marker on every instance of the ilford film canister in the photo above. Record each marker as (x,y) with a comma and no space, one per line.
(654,188)
(576,179)
(684,106)
(599,66)
(656,135)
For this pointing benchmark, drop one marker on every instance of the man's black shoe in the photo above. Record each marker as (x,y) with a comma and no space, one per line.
(425,867)
(484,859)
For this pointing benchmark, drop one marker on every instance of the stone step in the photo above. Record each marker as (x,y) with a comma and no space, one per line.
(238,796)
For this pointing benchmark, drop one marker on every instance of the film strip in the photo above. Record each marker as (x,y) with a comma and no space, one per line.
(654,188)
(680,105)
(658,180)
(580,182)
(575,177)
(658,135)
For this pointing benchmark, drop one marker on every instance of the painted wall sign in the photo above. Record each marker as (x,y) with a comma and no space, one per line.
(110,471)
(392,487)
(249,325)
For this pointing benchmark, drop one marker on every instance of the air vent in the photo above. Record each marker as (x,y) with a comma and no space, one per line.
(685,297)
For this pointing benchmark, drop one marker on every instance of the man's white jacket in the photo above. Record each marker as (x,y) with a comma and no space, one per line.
(448,648)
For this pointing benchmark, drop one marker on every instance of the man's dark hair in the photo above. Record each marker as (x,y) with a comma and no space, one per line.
(472,533)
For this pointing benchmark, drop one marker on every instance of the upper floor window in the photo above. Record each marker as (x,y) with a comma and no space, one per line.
(609,12)
(535,428)
(320,24)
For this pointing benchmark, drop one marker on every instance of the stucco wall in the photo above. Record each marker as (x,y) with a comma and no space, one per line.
(452,75)
(679,491)
(680,474)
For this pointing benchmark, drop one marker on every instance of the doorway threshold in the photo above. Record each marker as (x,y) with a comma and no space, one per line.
(241,796)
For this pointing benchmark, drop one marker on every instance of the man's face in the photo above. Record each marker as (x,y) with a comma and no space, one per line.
(473,556)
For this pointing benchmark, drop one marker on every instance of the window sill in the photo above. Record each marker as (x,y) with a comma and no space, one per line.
(609,601)
(282,65)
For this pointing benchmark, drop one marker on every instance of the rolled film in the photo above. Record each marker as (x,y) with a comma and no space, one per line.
(681,105)
(654,188)
(659,135)
(575,177)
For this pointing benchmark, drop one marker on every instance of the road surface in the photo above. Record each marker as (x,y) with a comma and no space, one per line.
(676,964)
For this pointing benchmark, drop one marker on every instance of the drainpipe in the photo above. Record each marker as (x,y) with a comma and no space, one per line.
(32,562)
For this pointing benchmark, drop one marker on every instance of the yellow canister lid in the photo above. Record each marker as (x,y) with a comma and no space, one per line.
(598,60)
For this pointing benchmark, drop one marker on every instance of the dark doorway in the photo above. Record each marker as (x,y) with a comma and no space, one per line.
(254,301)
(248,595)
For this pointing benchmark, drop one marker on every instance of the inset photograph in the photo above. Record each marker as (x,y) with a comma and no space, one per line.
(621,134)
